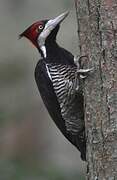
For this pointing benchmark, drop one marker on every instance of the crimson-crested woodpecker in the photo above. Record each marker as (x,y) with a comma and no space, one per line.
(58,79)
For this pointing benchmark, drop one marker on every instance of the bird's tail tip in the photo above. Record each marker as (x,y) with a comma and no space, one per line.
(83,156)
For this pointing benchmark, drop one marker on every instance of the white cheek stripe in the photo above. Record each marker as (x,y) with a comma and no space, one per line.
(48,72)
(43,48)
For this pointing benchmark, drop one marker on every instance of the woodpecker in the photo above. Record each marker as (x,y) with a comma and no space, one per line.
(58,76)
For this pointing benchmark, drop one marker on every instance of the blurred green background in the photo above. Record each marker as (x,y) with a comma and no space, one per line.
(31,147)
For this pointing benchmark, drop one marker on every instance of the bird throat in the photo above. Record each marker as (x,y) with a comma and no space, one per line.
(52,51)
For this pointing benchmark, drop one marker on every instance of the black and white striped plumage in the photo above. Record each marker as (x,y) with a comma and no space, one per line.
(62,95)
(58,80)
(65,80)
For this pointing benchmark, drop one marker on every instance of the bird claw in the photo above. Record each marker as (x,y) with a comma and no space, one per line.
(82,77)
(77,60)
(85,71)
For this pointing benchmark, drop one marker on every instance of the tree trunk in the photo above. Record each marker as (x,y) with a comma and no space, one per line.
(97,32)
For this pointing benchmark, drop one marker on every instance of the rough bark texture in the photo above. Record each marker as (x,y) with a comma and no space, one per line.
(97,32)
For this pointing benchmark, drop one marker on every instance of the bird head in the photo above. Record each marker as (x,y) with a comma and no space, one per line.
(39,32)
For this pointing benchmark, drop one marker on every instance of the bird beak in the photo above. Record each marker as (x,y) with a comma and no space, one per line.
(51,24)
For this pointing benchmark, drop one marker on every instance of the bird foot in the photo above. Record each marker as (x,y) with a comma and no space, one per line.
(79,61)
(84,72)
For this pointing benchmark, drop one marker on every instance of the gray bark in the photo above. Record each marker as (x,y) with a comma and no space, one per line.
(97,32)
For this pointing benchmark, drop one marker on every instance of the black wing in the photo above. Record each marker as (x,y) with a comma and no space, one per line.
(66,84)
(50,100)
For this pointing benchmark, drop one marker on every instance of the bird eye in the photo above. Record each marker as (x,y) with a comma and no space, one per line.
(40,27)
